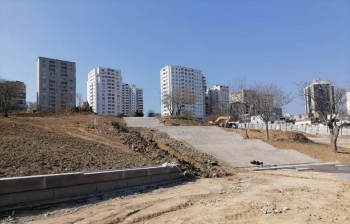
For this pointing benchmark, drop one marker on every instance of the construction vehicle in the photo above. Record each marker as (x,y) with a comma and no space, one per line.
(224,121)
(219,119)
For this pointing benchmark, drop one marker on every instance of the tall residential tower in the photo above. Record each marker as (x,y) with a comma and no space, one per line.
(104,91)
(188,80)
(132,99)
(218,100)
(56,84)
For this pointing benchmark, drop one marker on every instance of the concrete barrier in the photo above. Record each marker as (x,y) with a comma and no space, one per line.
(18,191)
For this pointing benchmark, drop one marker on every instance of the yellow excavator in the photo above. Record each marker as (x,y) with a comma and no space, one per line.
(224,121)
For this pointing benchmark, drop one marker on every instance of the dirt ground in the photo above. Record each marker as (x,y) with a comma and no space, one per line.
(299,142)
(32,145)
(245,198)
(58,143)
(182,121)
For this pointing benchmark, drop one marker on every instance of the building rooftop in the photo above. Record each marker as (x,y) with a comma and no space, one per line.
(56,59)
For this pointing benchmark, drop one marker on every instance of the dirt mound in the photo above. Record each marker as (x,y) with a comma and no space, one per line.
(182,121)
(291,137)
(155,144)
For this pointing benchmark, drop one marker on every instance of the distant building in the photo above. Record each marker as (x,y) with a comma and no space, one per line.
(104,91)
(132,99)
(348,102)
(56,84)
(174,77)
(278,112)
(217,100)
(319,96)
(240,100)
(301,117)
(20,101)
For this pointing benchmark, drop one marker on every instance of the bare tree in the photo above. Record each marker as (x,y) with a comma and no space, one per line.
(79,97)
(241,102)
(217,110)
(8,91)
(266,99)
(150,113)
(167,101)
(325,103)
(31,105)
(186,113)
(65,97)
(177,98)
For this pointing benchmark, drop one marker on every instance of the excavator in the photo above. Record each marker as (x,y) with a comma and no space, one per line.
(224,121)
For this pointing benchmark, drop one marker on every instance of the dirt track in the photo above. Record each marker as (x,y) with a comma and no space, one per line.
(245,198)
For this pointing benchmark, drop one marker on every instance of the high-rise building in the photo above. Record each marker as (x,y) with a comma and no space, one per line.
(104,91)
(56,84)
(348,102)
(319,96)
(179,79)
(132,99)
(218,100)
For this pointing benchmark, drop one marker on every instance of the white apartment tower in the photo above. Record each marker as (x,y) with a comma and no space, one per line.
(104,91)
(132,99)
(175,78)
(56,84)
(218,100)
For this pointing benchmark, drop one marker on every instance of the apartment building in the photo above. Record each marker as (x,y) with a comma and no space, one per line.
(104,91)
(132,99)
(240,101)
(188,81)
(217,100)
(319,96)
(19,102)
(56,84)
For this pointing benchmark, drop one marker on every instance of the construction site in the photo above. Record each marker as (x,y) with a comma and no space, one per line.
(173,170)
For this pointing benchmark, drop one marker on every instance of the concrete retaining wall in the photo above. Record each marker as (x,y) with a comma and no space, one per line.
(32,189)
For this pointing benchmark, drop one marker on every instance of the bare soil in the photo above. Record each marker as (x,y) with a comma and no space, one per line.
(51,144)
(32,145)
(269,197)
(299,142)
(182,121)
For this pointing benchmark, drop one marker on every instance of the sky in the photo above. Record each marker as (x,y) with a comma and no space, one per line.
(269,41)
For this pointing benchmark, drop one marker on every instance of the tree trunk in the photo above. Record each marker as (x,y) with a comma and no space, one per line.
(5,113)
(246,131)
(267,130)
(334,138)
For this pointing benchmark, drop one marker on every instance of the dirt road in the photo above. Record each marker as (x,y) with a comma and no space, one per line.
(245,198)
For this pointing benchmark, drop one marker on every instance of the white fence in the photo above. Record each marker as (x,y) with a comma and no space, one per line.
(311,129)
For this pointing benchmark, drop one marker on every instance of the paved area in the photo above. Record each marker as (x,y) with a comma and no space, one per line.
(226,146)
(142,122)
(338,170)
(232,148)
